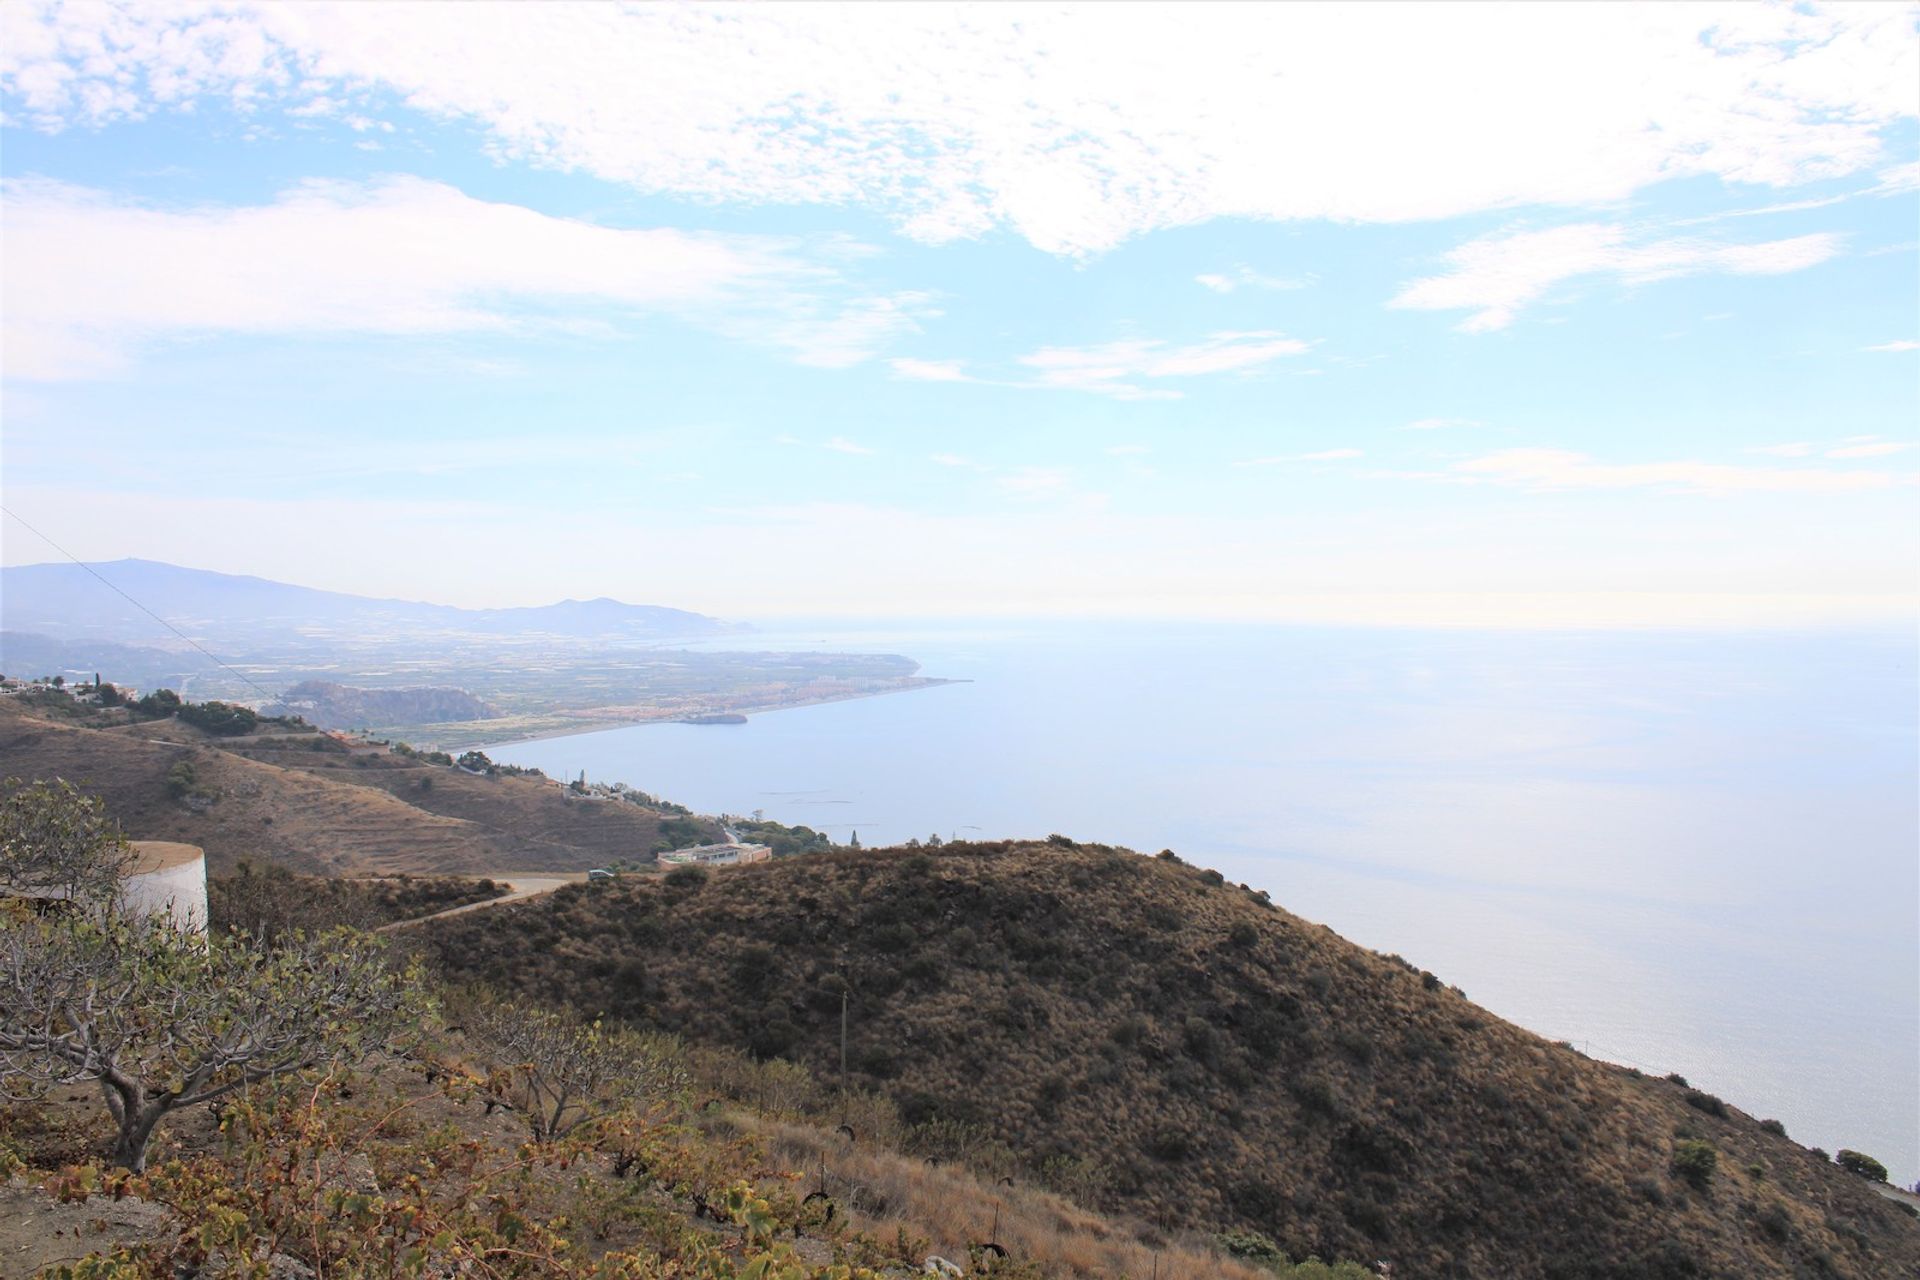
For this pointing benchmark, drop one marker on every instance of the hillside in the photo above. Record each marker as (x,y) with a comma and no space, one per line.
(307,802)
(1179,1049)
(424,1165)
(338,706)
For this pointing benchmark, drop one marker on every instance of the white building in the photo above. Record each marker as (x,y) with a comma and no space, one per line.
(716,855)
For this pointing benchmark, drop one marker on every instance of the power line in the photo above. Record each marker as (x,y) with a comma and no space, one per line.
(240,675)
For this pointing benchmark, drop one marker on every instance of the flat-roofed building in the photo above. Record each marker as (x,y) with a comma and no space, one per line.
(716,855)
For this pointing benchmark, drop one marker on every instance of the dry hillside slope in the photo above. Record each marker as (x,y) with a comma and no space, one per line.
(306,803)
(1219,1063)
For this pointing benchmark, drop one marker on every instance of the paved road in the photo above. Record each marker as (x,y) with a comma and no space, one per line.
(520,887)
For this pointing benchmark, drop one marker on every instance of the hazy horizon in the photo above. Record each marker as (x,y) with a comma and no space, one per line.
(929,310)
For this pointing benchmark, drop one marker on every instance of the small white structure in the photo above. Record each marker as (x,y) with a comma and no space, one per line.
(716,855)
(162,878)
(170,879)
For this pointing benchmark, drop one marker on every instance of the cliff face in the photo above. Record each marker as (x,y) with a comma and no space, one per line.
(1198,1057)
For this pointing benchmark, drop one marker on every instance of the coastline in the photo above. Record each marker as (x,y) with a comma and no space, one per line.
(678,716)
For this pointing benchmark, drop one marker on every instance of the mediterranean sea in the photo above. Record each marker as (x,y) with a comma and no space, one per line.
(1692,852)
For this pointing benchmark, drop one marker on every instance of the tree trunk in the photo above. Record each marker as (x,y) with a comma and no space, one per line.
(136,1131)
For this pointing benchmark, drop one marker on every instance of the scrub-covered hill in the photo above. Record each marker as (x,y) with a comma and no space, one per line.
(1178,1048)
(307,801)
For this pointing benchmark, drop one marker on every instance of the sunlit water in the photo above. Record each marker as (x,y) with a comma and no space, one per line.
(1690,852)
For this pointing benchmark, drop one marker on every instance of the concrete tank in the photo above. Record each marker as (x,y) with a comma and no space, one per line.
(167,878)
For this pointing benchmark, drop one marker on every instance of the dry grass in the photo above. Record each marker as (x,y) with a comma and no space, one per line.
(882,1191)
(323,812)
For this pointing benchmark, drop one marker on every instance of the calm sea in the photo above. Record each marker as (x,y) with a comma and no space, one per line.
(1690,852)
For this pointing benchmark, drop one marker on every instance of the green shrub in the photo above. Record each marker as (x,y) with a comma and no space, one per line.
(1243,935)
(1674,1077)
(686,877)
(1695,1161)
(1706,1102)
(1774,1127)
(1861,1163)
(1315,1094)
(1202,1041)
(1169,1144)
(182,780)
(1252,1246)
(225,719)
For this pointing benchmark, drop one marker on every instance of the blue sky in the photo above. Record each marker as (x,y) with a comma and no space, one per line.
(1489,315)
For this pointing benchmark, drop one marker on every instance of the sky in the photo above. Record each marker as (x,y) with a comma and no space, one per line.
(1489,315)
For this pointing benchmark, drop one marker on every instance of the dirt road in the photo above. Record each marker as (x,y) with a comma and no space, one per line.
(520,887)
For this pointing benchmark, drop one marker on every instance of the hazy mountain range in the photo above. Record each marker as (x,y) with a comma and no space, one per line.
(243,614)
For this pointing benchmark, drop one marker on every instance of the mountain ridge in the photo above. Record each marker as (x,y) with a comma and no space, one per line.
(69,601)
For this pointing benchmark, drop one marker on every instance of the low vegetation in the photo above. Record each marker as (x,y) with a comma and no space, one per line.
(289,795)
(267,901)
(1101,1063)
(1151,1041)
(324,1118)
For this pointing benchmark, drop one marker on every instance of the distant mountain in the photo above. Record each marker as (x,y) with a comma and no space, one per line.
(28,655)
(239,613)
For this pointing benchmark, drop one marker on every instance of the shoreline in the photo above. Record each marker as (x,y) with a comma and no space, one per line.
(678,717)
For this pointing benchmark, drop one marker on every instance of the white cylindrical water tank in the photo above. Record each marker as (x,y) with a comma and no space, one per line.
(168,878)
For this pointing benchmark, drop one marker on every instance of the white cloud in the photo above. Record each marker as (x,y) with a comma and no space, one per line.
(1322,455)
(819,329)
(1878,449)
(836,444)
(1851,447)
(1498,275)
(954,460)
(1899,180)
(1113,368)
(1899,344)
(929,370)
(1439,424)
(1560,469)
(955,120)
(1034,483)
(1126,450)
(1245,277)
(90,279)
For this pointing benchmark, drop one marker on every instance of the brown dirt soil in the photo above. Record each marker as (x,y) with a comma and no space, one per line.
(38,1231)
